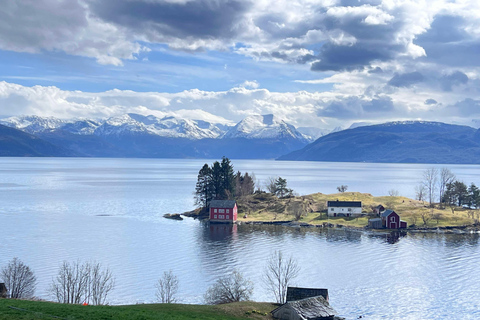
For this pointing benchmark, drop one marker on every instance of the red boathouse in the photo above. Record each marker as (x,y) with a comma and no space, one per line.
(223,211)
(391,220)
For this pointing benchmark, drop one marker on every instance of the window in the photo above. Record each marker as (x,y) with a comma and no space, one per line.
(215,216)
(331,209)
(228,217)
(349,209)
(214,210)
(221,216)
(392,219)
(228,211)
(221,210)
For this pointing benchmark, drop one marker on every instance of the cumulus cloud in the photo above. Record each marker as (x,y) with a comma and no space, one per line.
(330,35)
(324,110)
(406,79)
(374,59)
(57,25)
(357,108)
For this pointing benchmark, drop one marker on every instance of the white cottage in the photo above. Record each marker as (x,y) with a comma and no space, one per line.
(344,208)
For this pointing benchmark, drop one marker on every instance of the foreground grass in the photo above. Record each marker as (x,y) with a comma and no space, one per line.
(50,310)
(266,207)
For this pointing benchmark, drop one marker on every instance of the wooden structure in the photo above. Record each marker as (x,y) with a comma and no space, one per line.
(344,208)
(223,211)
(391,220)
(378,209)
(3,290)
(295,293)
(375,223)
(314,308)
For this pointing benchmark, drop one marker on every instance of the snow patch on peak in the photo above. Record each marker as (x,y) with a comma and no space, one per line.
(33,124)
(170,127)
(312,133)
(264,127)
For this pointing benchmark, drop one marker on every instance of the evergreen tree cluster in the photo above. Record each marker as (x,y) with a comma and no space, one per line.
(219,182)
(458,194)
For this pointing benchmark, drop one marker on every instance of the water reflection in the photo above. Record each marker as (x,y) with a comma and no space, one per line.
(220,232)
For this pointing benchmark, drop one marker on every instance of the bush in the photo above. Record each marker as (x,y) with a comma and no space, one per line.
(230,288)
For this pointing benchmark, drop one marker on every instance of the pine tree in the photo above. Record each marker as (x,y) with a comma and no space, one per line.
(204,188)
(217,181)
(228,179)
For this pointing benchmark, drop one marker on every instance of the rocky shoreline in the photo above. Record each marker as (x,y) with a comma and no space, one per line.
(465,229)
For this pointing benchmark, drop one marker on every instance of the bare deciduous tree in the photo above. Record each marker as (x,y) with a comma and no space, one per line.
(279,273)
(19,279)
(426,216)
(82,282)
(70,285)
(420,192)
(100,283)
(342,188)
(230,288)
(393,193)
(167,287)
(270,185)
(430,181)
(446,177)
(298,209)
(414,219)
(437,216)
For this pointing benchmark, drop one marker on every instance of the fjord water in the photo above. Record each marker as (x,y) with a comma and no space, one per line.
(110,211)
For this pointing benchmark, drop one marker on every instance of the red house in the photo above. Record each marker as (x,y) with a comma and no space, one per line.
(391,220)
(223,211)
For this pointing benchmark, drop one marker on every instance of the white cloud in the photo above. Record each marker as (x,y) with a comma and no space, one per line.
(353,99)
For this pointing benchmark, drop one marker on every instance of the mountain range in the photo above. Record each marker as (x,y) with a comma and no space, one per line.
(134,135)
(255,137)
(396,142)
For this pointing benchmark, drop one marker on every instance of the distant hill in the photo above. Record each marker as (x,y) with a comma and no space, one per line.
(396,142)
(16,143)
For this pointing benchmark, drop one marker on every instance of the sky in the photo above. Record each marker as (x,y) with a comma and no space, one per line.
(313,63)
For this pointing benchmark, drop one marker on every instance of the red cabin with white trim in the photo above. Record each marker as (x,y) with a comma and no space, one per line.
(223,211)
(391,220)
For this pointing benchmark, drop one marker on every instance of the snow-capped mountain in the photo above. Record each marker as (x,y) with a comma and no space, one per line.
(121,125)
(170,127)
(361,124)
(264,127)
(81,127)
(127,124)
(312,133)
(33,124)
(134,135)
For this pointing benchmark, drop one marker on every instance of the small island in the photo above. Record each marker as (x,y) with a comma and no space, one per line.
(278,204)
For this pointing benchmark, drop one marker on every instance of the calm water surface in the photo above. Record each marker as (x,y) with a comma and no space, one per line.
(110,210)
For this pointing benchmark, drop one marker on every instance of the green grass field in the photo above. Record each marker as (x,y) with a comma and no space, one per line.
(11,309)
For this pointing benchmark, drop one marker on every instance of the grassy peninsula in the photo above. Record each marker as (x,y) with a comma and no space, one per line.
(11,309)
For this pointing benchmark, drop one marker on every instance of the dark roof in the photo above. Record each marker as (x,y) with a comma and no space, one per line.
(294,293)
(309,308)
(386,213)
(380,206)
(222,203)
(357,204)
